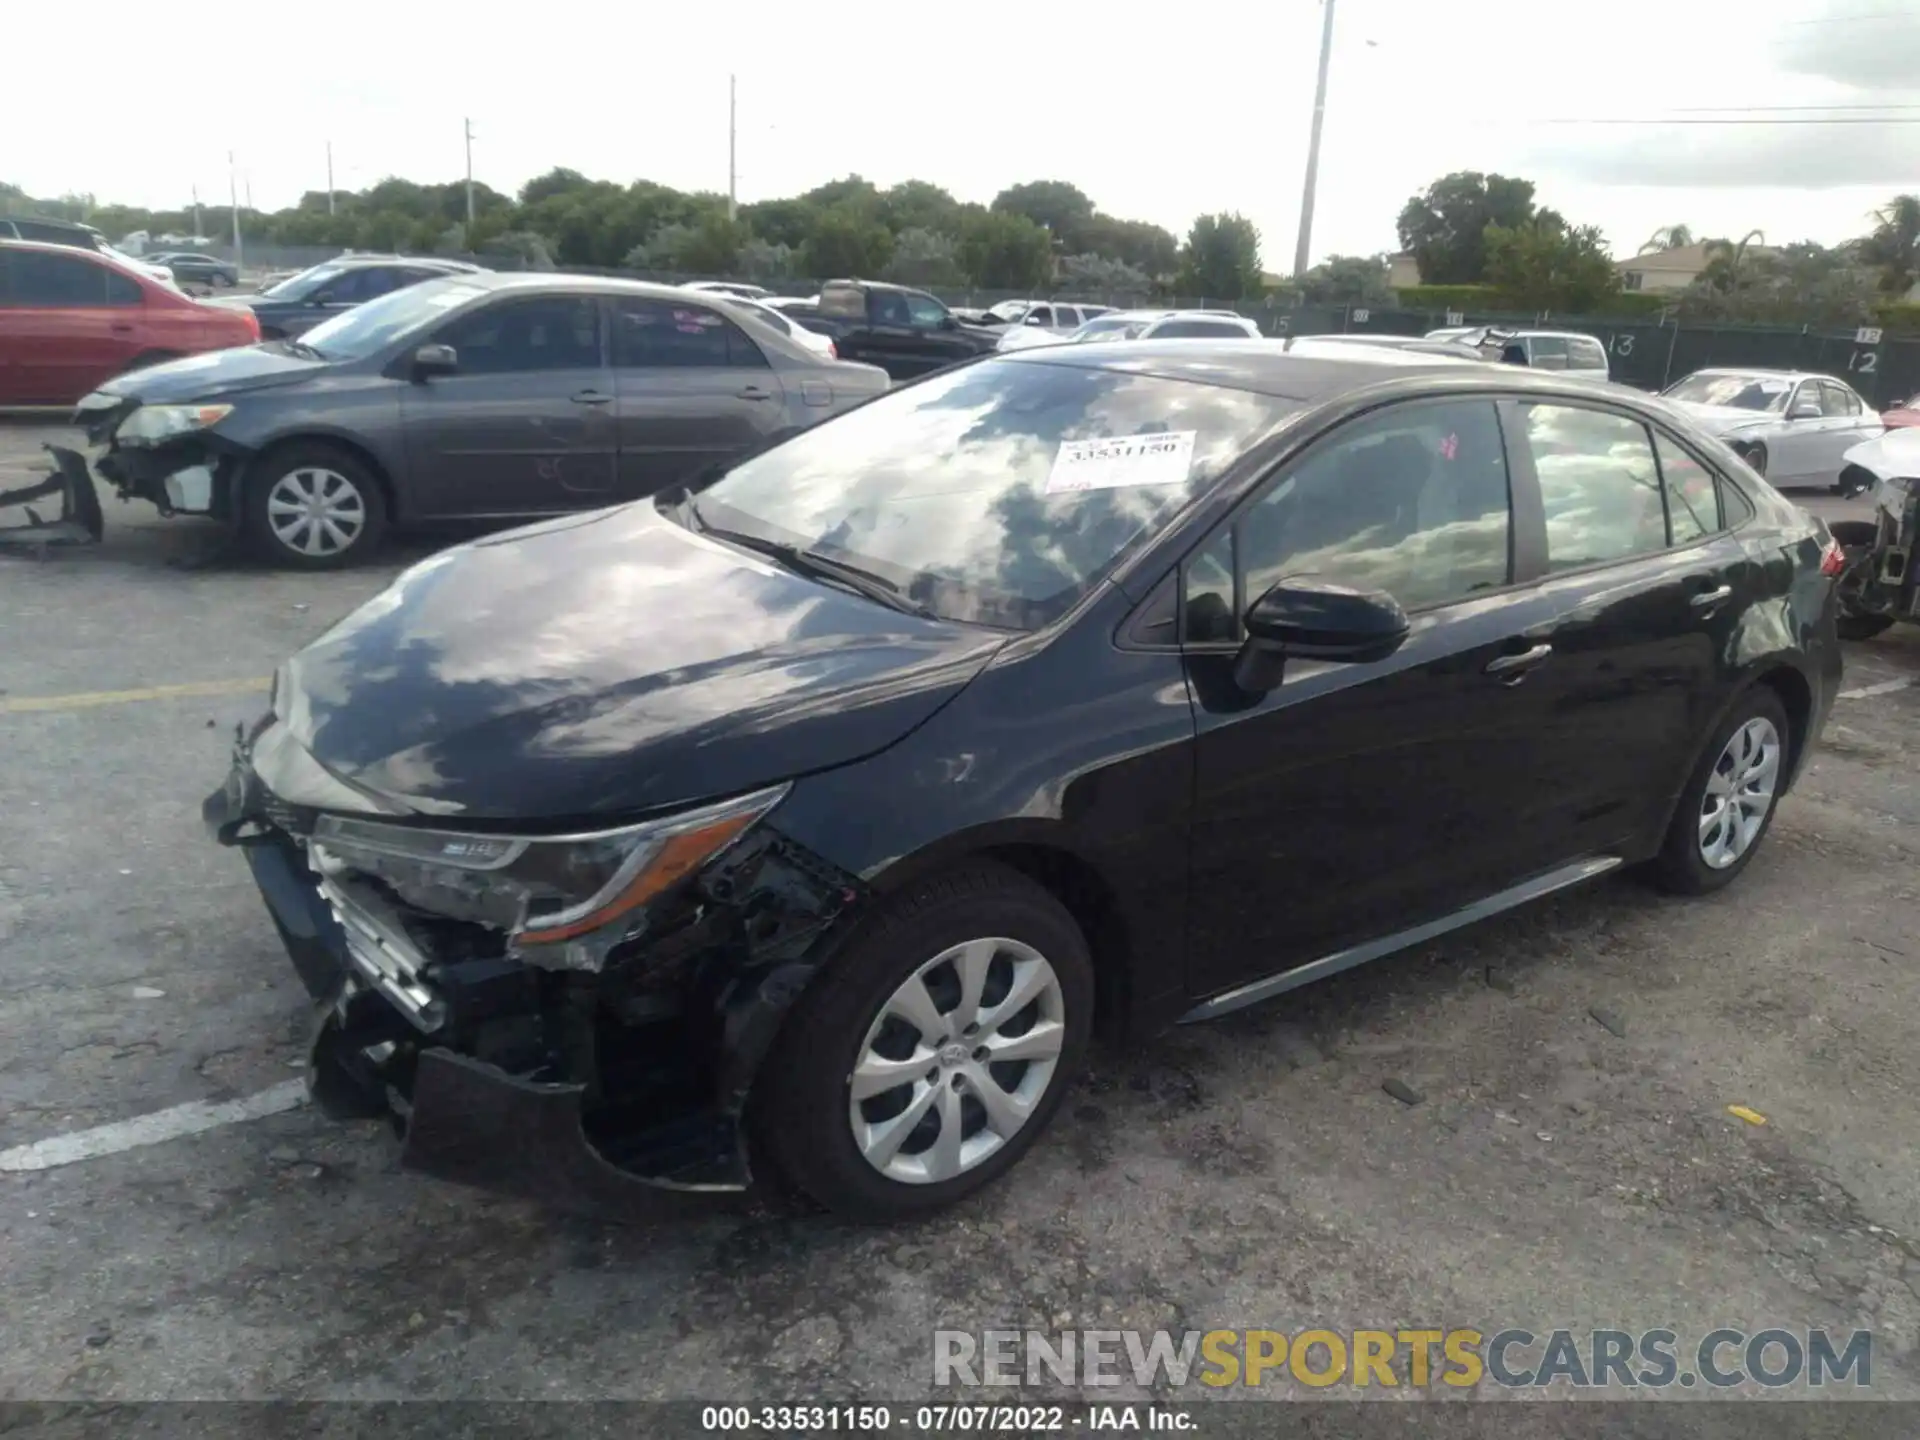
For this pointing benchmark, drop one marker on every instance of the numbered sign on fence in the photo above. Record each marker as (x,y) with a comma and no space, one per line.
(1866,336)
(1360,316)
(1456,317)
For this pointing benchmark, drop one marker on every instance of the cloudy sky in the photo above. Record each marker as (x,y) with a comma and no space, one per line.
(1159,113)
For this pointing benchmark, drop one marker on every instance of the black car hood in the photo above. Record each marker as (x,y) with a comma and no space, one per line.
(608,665)
(213,374)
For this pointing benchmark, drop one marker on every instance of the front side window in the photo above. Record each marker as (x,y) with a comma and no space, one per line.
(555,332)
(1412,500)
(987,493)
(1547,352)
(1041,315)
(925,313)
(672,335)
(1839,401)
(1599,485)
(43,279)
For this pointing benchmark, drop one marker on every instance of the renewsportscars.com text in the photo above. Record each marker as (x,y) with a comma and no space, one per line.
(1512,1358)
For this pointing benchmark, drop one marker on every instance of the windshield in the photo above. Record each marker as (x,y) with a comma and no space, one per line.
(362,331)
(1764,393)
(298,287)
(983,494)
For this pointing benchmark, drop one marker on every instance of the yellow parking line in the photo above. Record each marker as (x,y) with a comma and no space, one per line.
(88,699)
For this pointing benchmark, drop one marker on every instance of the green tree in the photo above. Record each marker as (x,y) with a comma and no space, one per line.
(557,181)
(847,244)
(1053,205)
(1894,245)
(923,257)
(1098,276)
(1222,258)
(1546,264)
(916,205)
(1445,226)
(1136,243)
(782,222)
(1347,280)
(1005,251)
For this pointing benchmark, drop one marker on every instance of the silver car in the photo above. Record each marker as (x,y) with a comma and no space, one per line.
(1141,325)
(1791,426)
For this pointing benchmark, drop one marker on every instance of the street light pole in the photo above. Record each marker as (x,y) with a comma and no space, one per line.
(469,127)
(233,200)
(733,136)
(329,177)
(1304,245)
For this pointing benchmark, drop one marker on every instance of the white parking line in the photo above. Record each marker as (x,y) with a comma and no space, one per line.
(170,1124)
(1867,692)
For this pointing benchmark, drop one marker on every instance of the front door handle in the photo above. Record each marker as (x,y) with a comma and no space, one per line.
(1707,599)
(591,397)
(1516,666)
(753,392)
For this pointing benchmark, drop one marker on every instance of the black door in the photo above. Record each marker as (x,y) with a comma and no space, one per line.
(1644,585)
(1354,800)
(526,424)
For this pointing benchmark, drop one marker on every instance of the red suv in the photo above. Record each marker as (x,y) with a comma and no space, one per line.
(70,319)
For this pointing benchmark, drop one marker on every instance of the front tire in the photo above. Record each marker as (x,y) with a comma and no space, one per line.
(1853,481)
(313,507)
(1755,454)
(928,1056)
(1730,799)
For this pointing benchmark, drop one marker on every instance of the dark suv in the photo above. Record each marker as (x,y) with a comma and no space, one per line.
(299,303)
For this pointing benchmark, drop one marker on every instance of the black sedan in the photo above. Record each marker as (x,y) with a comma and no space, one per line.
(190,268)
(819,817)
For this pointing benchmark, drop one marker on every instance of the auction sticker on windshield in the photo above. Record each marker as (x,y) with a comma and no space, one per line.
(1163,458)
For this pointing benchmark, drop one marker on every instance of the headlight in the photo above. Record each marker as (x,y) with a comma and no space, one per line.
(543,891)
(156,424)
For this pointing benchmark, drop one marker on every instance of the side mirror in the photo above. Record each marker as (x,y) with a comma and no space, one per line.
(1804,410)
(432,360)
(947,322)
(1312,619)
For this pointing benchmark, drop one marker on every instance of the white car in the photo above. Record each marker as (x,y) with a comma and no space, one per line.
(1141,325)
(736,289)
(1793,427)
(813,340)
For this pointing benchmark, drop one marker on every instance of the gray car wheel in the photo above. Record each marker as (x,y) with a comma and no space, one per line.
(314,507)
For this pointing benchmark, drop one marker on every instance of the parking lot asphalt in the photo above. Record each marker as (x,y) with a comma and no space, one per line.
(1559,1171)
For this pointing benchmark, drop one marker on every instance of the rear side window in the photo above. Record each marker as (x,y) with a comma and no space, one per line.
(663,335)
(41,278)
(1693,499)
(1584,354)
(123,289)
(1599,484)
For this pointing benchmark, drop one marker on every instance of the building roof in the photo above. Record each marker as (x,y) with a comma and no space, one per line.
(1682,259)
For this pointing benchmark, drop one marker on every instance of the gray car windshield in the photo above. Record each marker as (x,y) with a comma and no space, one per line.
(366,329)
(1764,393)
(997,494)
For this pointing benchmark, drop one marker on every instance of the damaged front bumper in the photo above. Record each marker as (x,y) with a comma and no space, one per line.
(79,521)
(555,1085)
(192,474)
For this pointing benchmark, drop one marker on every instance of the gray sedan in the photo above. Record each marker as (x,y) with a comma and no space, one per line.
(482,395)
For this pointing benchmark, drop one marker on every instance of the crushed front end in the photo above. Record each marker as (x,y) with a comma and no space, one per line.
(171,456)
(561,1017)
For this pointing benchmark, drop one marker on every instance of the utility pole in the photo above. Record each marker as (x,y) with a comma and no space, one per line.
(733,136)
(1304,245)
(196,212)
(469,125)
(329,177)
(233,200)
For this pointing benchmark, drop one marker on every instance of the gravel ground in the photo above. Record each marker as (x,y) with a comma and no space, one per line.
(1248,1173)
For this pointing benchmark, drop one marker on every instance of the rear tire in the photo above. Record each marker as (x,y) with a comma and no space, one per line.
(855,1017)
(1755,454)
(313,506)
(1730,799)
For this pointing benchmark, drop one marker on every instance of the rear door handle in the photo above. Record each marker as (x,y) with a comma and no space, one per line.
(1515,666)
(1707,599)
(753,392)
(122,329)
(591,397)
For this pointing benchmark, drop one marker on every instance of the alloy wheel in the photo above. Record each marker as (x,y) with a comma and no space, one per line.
(1739,792)
(315,511)
(956,1061)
